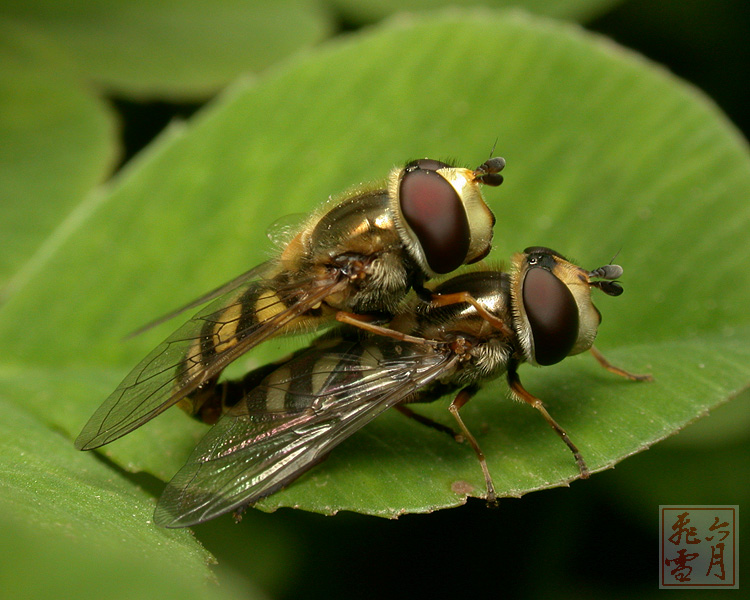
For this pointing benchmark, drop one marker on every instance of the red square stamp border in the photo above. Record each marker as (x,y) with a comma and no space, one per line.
(734,510)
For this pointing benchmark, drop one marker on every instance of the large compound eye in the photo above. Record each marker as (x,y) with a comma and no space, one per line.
(553,315)
(427,164)
(433,210)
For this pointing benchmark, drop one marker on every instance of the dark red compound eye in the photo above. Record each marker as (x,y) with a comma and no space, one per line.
(553,315)
(434,212)
(426,164)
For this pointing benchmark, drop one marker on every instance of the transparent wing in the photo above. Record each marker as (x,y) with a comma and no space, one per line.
(199,350)
(207,297)
(292,420)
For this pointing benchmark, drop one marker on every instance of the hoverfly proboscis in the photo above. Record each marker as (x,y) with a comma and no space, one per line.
(358,257)
(284,418)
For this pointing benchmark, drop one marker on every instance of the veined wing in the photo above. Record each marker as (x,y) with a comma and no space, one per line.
(292,420)
(199,350)
(207,297)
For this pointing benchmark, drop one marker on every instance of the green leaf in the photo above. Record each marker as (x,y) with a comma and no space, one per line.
(606,153)
(87,528)
(171,48)
(699,465)
(362,11)
(57,142)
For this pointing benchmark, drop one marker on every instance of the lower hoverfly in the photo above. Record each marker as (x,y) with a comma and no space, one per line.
(284,418)
(359,257)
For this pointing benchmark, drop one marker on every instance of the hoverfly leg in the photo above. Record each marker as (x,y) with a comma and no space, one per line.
(460,400)
(238,513)
(515,385)
(363,322)
(459,297)
(617,370)
(408,412)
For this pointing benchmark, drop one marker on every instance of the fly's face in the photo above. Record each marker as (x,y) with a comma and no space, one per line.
(440,213)
(553,312)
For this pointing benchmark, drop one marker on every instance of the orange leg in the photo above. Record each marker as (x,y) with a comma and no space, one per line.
(617,370)
(362,321)
(459,297)
(462,398)
(520,392)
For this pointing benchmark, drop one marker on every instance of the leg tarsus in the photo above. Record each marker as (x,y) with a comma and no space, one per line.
(515,385)
(460,400)
(617,370)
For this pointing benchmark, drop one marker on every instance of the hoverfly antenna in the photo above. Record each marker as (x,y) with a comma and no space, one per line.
(488,172)
(606,276)
(609,272)
(611,288)
(493,147)
(616,255)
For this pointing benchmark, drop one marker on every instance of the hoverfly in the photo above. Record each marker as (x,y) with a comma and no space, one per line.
(283,419)
(360,257)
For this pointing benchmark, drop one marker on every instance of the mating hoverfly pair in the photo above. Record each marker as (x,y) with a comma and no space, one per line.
(355,264)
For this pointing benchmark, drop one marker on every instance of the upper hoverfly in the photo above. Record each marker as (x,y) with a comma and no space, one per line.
(360,257)
(284,418)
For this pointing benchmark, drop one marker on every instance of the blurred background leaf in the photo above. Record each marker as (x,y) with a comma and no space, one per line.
(366,11)
(58,141)
(170,48)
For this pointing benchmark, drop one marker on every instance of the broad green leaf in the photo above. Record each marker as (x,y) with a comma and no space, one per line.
(57,141)
(606,153)
(373,10)
(80,530)
(704,463)
(173,48)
